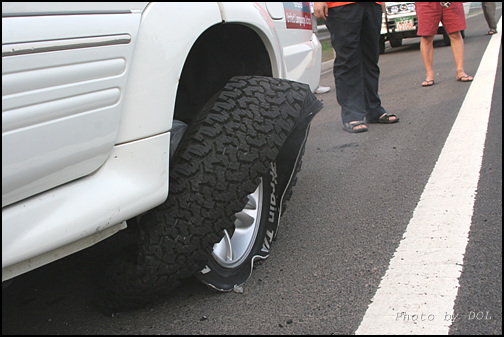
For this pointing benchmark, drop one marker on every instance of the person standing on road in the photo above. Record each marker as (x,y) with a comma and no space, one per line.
(355,34)
(452,15)
(489,11)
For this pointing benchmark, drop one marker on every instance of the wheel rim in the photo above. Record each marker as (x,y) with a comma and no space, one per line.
(236,244)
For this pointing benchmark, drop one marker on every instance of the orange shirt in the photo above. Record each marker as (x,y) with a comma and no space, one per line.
(336,4)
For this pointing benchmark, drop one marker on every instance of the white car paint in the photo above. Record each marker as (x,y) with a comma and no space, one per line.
(88,96)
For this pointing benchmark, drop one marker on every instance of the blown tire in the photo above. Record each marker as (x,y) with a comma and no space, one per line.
(249,240)
(219,163)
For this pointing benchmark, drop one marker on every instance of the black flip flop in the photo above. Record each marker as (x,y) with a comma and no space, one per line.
(465,78)
(384,119)
(428,83)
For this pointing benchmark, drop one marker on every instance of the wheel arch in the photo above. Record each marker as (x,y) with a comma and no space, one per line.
(161,47)
(221,52)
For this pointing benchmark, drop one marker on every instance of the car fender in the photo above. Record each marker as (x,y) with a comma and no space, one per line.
(158,60)
(256,17)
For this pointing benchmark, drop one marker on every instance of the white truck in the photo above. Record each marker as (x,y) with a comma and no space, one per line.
(181,124)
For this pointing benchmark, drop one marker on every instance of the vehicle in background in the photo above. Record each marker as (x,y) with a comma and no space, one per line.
(400,22)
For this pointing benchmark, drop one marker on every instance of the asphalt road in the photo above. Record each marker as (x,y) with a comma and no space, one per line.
(354,198)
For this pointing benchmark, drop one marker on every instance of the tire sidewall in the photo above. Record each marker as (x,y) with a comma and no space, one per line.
(224,279)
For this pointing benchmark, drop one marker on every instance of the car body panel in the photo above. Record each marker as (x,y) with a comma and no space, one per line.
(135,179)
(88,96)
(154,77)
(302,50)
(61,97)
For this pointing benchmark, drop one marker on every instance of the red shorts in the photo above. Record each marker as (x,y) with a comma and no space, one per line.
(429,15)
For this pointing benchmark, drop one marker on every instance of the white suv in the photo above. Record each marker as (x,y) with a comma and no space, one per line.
(184,122)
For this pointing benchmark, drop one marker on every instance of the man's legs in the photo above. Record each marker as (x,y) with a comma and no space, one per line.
(457,46)
(489,11)
(344,24)
(427,52)
(370,38)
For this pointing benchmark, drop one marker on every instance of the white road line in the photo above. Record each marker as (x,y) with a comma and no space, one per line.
(418,291)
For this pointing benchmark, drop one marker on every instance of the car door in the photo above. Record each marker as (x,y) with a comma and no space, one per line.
(64,69)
